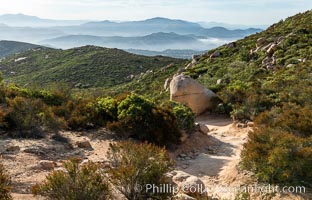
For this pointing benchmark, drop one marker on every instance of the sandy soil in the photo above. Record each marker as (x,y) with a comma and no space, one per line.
(23,165)
(213,157)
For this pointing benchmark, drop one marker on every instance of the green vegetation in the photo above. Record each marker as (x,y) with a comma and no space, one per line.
(273,87)
(30,116)
(141,119)
(266,77)
(184,115)
(249,85)
(135,165)
(131,166)
(280,149)
(8,48)
(82,67)
(76,183)
(4,184)
(32,113)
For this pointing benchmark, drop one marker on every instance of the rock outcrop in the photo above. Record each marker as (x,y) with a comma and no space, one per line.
(186,90)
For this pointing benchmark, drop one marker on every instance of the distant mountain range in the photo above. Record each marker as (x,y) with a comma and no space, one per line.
(155,41)
(230,26)
(174,53)
(150,26)
(9,48)
(156,34)
(33,21)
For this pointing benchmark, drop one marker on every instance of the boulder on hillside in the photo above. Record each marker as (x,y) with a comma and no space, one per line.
(271,50)
(186,90)
(260,42)
(167,84)
(215,54)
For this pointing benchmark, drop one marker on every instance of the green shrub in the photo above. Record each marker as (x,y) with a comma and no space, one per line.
(4,184)
(30,117)
(280,148)
(106,108)
(50,98)
(136,165)
(184,115)
(77,183)
(292,118)
(82,115)
(143,120)
(278,157)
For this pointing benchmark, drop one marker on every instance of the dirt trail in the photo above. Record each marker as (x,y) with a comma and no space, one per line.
(214,156)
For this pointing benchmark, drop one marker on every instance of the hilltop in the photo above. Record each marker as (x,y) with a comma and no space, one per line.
(12,47)
(83,67)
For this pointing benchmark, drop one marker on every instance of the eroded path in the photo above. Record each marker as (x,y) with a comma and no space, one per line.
(214,156)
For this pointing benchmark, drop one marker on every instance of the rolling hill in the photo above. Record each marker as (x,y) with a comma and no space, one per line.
(11,47)
(83,67)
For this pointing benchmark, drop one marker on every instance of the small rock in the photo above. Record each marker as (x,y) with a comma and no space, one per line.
(193,185)
(250,124)
(271,50)
(183,197)
(219,81)
(47,164)
(13,149)
(260,42)
(85,144)
(184,166)
(84,162)
(202,128)
(215,54)
(231,45)
(290,65)
(241,125)
(182,155)
(180,176)
(34,150)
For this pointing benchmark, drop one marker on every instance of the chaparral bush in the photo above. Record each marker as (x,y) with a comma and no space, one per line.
(133,166)
(75,183)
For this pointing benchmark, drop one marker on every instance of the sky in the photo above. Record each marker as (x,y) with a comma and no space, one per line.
(227,11)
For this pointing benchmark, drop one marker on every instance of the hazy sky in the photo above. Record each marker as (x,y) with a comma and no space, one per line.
(230,11)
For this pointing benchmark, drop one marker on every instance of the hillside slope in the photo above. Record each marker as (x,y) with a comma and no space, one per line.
(262,70)
(12,47)
(82,67)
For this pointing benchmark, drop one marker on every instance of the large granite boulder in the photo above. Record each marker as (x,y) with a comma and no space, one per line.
(186,90)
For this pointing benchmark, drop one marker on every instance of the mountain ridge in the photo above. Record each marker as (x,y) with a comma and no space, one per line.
(8,48)
(86,67)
